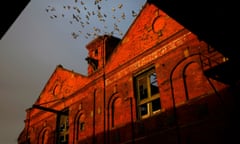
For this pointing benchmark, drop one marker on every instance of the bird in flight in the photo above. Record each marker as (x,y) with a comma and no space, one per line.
(96,16)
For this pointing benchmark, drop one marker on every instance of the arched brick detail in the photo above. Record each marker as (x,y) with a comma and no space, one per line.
(79,117)
(195,82)
(46,136)
(188,80)
(110,110)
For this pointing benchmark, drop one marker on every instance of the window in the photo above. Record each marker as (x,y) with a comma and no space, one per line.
(63,128)
(147,92)
(81,126)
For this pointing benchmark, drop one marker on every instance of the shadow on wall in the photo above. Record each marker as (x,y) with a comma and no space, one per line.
(211,22)
(201,120)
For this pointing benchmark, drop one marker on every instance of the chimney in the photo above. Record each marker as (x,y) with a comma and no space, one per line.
(99,51)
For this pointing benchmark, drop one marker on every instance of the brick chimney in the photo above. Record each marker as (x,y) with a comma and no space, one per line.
(99,51)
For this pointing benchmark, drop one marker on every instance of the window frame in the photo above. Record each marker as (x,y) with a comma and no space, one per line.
(146,73)
(63,131)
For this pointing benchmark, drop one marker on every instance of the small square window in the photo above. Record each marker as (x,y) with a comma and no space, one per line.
(81,126)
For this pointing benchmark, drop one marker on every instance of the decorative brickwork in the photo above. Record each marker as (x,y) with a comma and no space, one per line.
(149,87)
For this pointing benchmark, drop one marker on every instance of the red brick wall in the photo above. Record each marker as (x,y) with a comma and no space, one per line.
(105,100)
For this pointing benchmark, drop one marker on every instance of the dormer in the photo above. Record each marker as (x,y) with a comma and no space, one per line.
(99,51)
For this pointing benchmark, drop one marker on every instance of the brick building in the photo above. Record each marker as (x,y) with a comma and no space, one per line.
(158,84)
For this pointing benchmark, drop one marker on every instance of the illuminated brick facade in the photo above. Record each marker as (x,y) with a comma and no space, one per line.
(151,86)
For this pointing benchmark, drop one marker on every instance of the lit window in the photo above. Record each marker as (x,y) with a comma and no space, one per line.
(147,91)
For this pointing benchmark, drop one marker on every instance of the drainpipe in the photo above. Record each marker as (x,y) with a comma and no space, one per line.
(132,122)
(104,88)
(94,117)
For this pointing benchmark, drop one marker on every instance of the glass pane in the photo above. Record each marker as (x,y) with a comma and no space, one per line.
(156,105)
(153,84)
(142,83)
(62,139)
(67,124)
(62,127)
(67,137)
(144,109)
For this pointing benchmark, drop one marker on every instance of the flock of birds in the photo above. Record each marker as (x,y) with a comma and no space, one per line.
(92,17)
